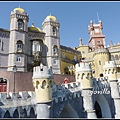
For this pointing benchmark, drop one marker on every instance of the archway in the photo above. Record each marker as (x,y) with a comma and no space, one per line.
(104,106)
(98,110)
(16,114)
(68,112)
(32,113)
(7,114)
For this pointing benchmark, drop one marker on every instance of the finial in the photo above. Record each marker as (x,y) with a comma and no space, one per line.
(32,23)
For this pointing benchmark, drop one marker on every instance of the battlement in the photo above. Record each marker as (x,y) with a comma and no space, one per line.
(109,64)
(66,91)
(5,97)
(101,50)
(72,85)
(42,72)
(83,67)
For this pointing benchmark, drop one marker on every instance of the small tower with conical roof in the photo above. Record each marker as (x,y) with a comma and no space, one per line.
(18,51)
(42,81)
(52,41)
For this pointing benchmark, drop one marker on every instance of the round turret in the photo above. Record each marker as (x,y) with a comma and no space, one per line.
(42,81)
(101,55)
(83,75)
(110,70)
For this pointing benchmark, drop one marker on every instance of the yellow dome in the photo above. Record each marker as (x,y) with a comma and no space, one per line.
(33,28)
(19,9)
(51,17)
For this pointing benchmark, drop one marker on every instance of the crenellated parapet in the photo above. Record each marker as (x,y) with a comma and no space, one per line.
(110,70)
(101,85)
(42,72)
(101,51)
(65,92)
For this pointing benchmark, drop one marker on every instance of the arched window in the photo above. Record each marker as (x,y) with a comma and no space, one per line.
(55,50)
(54,30)
(19,44)
(55,62)
(20,24)
(37,47)
(116,57)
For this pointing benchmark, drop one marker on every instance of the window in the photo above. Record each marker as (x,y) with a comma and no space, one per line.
(100,62)
(63,55)
(1,45)
(54,30)
(37,47)
(75,58)
(20,25)
(83,52)
(55,49)
(54,61)
(19,45)
(99,42)
(18,59)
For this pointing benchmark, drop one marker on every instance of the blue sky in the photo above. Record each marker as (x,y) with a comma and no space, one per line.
(74,18)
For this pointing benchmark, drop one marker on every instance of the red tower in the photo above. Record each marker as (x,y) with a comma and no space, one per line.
(97,39)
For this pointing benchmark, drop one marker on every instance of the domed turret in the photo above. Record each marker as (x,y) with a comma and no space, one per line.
(33,28)
(19,9)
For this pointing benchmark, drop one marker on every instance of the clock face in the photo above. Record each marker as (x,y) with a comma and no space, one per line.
(97,30)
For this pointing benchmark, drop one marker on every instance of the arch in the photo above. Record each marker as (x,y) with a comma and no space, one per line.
(68,112)
(98,110)
(54,30)
(44,84)
(105,108)
(23,113)
(16,114)
(116,57)
(55,49)
(32,113)
(101,74)
(7,114)
(37,83)
(20,24)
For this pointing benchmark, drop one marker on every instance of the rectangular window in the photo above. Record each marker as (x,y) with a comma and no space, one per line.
(19,46)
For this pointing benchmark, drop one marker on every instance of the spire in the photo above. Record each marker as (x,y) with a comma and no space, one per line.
(19,6)
(50,14)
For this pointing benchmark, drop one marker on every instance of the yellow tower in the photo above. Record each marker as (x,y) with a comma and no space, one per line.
(42,81)
(83,75)
(101,55)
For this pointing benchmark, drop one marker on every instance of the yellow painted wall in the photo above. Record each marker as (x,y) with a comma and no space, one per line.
(69,56)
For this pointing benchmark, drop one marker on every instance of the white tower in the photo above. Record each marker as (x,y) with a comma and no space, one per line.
(52,41)
(18,51)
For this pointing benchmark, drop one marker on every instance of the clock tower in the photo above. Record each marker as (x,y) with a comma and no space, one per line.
(97,39)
